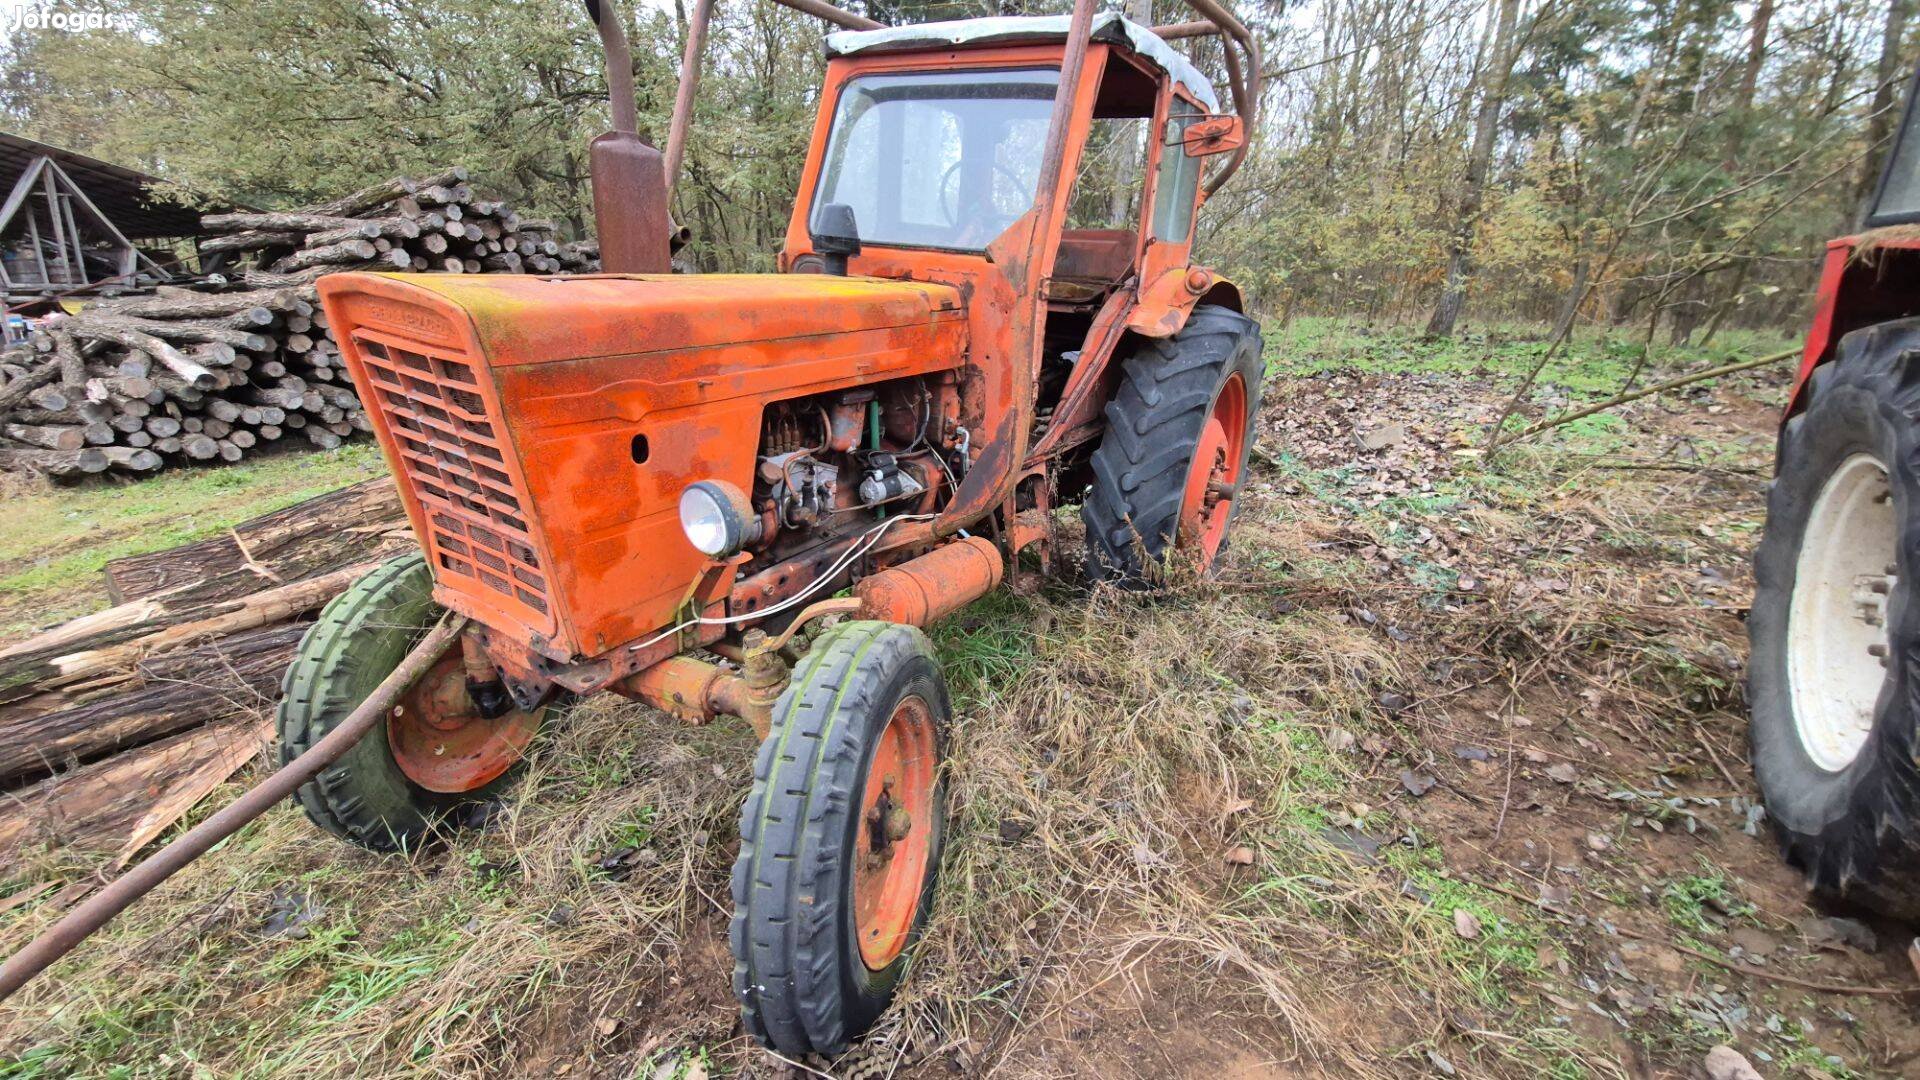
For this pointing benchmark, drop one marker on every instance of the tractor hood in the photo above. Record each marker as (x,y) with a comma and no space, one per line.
(539,320)
(542,429)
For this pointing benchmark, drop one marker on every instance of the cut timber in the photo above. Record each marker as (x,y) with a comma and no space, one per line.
(113,330)
(201,305)
(16,391)
(354,525)
(161,695)
(120,805)
(50,438)
(61,463)
(119,637)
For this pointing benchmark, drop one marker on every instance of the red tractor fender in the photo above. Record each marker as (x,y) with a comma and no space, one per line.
(1165,302)
(1869,278)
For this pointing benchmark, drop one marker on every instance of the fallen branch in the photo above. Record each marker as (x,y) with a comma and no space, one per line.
(1634,395)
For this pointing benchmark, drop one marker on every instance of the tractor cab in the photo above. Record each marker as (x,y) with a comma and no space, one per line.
(934,139)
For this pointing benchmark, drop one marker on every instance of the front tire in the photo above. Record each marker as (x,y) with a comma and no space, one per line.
(1179,430)
(839,839)
(1835,637)
(396,788)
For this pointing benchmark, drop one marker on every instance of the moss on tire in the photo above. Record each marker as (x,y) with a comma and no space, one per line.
(360,637)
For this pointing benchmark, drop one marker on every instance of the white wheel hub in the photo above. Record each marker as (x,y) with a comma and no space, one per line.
(1837,633)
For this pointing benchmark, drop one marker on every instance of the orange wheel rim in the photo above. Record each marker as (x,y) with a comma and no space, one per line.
(895,839)
(1213,478)
(442,743)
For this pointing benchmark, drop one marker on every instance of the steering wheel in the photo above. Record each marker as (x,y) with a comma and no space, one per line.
(950,199)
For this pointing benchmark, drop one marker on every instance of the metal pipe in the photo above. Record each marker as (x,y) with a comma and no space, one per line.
(629,176)
(689,85)
(1246,92)
(1053,155)
(837,16)
(613,41)
(1174,31)
(98,909)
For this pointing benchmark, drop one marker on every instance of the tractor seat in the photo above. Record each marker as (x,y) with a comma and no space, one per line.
(1090,264)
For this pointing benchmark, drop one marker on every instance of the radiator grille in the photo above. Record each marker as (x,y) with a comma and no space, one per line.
(455,461)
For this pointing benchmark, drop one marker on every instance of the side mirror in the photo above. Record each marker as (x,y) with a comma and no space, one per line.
(835,236)
(1214,135)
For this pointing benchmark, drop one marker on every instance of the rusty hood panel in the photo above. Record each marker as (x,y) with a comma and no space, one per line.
(539,320)
(603,397)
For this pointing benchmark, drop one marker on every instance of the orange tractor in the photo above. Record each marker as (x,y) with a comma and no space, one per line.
(659,484)
(1834,678)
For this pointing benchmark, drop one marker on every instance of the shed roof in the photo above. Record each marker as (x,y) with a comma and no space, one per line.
(131,200)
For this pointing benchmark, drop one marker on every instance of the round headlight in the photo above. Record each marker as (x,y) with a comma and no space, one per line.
(717,518)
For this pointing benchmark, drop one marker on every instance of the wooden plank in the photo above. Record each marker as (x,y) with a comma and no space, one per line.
(356,524)
(163,694)
(119,805)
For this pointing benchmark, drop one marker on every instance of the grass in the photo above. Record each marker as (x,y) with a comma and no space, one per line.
(1588,366)
(55,540)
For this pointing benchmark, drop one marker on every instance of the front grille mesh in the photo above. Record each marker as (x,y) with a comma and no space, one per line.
(455,461)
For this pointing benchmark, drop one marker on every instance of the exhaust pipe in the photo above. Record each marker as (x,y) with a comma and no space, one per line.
(629,176)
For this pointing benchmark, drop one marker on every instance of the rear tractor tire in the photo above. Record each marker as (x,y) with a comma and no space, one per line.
(1835,632)
(839,839)
(1167,473)
(399,785)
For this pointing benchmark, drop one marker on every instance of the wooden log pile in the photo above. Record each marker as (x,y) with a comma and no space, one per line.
(243,360)
(170,685)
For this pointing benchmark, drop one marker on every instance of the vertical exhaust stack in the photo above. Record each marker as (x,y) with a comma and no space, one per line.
(629,176)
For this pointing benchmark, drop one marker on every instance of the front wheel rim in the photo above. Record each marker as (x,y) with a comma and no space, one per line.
(1213,477)
(1837,619)
(894,842)
(440,741)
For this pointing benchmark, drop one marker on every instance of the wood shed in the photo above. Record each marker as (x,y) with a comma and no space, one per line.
(74,225)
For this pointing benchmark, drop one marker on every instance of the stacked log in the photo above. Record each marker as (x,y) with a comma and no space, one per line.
(436,225)
(244,360)
(179,672)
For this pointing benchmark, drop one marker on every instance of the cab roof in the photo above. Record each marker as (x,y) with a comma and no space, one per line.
(1108,26)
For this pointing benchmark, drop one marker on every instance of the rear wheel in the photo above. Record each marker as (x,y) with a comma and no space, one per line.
(839,839)
(434,755)
(1168,471)
(1835,638)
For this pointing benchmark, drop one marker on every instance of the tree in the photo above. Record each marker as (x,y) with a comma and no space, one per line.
(1499,54)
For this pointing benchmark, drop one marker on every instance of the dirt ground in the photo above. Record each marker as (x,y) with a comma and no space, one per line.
(1443,774)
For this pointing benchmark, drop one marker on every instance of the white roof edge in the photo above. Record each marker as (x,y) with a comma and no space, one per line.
(999,29)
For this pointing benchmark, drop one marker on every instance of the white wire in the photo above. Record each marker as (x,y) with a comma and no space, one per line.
(860,547)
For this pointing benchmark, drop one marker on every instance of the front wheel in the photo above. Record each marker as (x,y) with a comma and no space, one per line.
(839,839)
(1167,474)
(435,754)
(1835,635)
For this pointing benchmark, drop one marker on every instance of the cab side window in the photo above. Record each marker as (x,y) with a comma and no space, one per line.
(1178,178)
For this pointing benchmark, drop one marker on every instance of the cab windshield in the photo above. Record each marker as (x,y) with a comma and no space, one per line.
(937,159)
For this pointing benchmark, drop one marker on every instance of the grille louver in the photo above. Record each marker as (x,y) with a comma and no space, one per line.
(455,461)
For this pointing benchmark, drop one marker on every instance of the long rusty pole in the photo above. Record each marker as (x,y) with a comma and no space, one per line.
(82,921)
(683,96)
(838,16)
